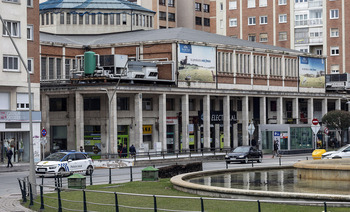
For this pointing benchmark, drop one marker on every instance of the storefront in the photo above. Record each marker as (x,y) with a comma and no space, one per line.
(92,140)
(289,137)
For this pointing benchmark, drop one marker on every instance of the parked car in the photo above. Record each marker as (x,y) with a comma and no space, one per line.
(244,154)
(342,152)
(66,163)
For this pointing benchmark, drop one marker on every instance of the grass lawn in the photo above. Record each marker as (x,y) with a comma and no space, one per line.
(162,187)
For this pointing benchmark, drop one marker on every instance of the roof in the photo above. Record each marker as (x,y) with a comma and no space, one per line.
(90,5)
(180,35)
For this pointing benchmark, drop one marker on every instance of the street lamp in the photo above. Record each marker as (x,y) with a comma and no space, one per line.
(32,178)
(110,98)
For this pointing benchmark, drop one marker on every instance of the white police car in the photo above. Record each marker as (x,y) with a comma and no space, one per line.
(65,163)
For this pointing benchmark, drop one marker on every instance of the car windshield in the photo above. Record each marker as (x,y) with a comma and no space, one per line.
(343,148)
(55,157)
(242,149)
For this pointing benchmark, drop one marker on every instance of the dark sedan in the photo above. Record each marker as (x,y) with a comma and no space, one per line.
(244,154)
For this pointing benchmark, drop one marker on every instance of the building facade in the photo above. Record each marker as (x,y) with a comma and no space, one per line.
(313,26)
(22,21)
(209,89)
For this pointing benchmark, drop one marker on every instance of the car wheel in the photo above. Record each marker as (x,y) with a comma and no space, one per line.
(246,160)
(61,171)
(336,157)
(260,159)
(89,170)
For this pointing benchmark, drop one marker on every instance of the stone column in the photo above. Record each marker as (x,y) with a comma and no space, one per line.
(206,122)
(279,110)
(310,110)
(263,110)
(185,122)
(227,115)
(113,140)
(338,104)
(296,115)
(79,119)
(138,121)
(162,121)
(324,106)
(245,120)
(217,126)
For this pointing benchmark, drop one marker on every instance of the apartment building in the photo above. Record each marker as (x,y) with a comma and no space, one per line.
(312,26)
(22,21)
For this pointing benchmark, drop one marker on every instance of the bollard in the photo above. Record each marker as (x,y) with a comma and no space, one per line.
(116,202)
(280,160)
(84,201)
(56,181)
(24,191)
(42,198)
(59,200)
(130,173)
(325,207)
(90,178)
(259,208)
(202,204)
(155,203)
(110,176)
(30,195)
(42,179)
(252,163)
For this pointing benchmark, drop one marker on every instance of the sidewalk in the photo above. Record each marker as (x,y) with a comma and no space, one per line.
(17,167)
(11,202)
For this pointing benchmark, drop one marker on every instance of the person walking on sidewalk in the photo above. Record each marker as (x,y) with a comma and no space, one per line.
(9,154)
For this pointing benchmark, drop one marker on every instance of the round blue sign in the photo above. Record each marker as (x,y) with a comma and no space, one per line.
(43,132)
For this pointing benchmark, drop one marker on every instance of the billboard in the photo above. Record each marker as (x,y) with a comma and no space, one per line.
(196,63)
(311,72)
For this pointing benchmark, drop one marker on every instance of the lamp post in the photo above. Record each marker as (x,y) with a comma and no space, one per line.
(110,99)
(32,178)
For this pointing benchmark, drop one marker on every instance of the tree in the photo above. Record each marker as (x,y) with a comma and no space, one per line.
(338,120)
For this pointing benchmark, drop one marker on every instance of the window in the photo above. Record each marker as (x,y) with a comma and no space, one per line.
(282,36)
(51,18)
(300,1)
(75,18)
(92,103)
(30,32)
(47,19)
(105,19)
(301,20)
(206,8)
(192,104)
(5,101)
(170,104)
(99,19)
(68,18)
(233,22)
(198,20)
(30,3)
(232,5)
(111,19)
(14,1)
(124,19)
(334,32)
(334,69)
(42,19)
(282,2)
(30,65)
(262,3)
(13,27)
(162,2)
(197,6)
(221,6)
(162,16)
(334,50)
(251,20)
(58,104)
(319,51)
(206,21)
(61,18)
(252,37)
(23,101)
(171,16)
(251,3)
(273,105)
(334,14)
(263,37)
(118,19)
(282,18)
(122,103)
(87,19)
(263,19)
(10,63)
(147,104)
(171,3)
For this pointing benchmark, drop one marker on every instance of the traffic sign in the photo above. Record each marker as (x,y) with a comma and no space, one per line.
(315,128)
(326,130)
(251,129)
(43,132)
(315,121)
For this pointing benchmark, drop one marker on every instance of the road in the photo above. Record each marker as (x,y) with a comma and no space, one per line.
(9,183)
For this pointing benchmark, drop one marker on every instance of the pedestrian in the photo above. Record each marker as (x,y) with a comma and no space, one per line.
(253,143)
(124,151)
(81,149)
(275,148)
(132,150)
(9,154)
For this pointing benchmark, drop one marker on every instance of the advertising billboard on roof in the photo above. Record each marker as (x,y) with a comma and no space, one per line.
(312,72)
(196,63)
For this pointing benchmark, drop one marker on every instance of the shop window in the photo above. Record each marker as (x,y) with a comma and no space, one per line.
(92,103)
(59,138)
(58,104)
(122,103)
(92,140)
(147,104)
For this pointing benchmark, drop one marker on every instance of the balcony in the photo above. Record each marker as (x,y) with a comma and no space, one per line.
(315,21)
(315,4)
